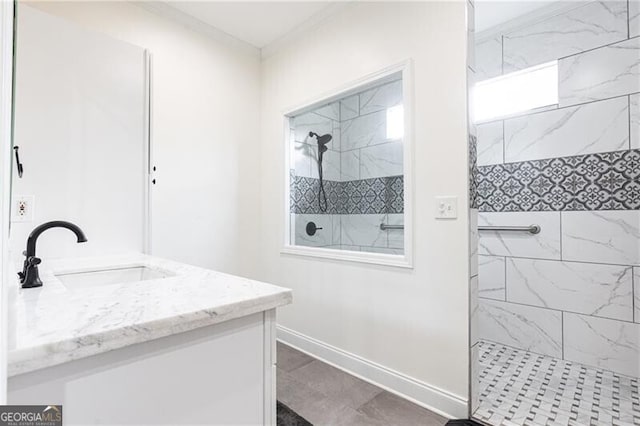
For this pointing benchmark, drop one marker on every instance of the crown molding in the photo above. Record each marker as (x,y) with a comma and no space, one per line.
(310,24)
(167,11)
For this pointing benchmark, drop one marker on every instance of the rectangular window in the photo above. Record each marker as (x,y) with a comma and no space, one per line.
(347,173)
(516,92)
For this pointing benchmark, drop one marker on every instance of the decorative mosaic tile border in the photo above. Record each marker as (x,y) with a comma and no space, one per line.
(364,196)
(606,181)
(473,172)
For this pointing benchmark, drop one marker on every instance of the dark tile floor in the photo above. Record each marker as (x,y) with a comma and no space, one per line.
(325,395)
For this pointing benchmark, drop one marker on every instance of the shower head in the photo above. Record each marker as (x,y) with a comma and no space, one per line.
(322,148)
(322,140)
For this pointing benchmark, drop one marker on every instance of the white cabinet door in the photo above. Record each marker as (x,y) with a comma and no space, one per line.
(213,375)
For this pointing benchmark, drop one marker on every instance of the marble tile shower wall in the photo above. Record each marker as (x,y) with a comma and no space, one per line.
(363,171)
(573,290)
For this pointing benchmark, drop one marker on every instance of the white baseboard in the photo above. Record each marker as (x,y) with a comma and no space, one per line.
(428,396)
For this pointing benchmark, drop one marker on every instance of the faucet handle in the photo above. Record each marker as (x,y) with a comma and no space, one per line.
(34,261)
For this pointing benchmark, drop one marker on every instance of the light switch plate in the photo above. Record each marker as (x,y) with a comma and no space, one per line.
(446,207)
(22,208)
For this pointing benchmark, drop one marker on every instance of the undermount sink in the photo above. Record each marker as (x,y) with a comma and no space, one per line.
(108,276)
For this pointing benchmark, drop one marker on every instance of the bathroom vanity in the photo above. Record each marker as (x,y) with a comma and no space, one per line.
(209,343)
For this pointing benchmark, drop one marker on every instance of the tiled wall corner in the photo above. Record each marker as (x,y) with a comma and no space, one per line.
(473,243)
(472,150)
(349,107)
(475,377)
(471,36)
(534,329)
(572,290)
(474,304)
(473,171)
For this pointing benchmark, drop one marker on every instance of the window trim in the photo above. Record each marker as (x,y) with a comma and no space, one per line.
(404,260)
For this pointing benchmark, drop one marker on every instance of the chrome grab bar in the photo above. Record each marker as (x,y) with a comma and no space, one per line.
(384,227)
(532,229)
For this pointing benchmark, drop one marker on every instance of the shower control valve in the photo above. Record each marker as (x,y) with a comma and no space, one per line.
(311,229)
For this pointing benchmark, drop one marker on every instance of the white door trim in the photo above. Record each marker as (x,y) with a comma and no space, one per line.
(6,110)
(147,241)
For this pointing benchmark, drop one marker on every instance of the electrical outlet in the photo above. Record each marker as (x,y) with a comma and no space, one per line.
(23,206)
(446,207)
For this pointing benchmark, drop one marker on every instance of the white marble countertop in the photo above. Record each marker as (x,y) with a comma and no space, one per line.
(54,324)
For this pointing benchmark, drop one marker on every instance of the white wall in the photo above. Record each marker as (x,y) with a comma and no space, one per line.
(219,149)
(81,130)
(206,95)
(414,322)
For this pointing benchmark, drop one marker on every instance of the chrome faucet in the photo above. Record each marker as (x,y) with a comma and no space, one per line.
(29,276)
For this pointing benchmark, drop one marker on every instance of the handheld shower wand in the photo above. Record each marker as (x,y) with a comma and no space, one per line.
(322,148)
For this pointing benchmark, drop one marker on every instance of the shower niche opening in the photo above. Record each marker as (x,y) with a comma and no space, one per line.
(347,179)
